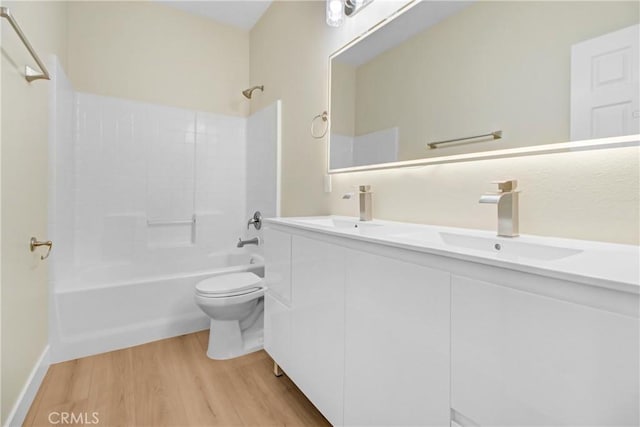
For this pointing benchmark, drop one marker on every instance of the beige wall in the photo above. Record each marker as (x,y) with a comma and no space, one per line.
(25,120)
(149,52)
(464,77)
(587,195)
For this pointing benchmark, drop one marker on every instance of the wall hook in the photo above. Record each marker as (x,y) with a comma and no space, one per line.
(34,244)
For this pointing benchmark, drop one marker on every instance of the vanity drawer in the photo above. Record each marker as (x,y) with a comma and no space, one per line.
(277,255)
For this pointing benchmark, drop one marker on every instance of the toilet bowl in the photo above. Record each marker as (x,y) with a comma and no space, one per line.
(235,304)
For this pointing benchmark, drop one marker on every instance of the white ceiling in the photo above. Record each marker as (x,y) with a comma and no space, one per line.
(239,13)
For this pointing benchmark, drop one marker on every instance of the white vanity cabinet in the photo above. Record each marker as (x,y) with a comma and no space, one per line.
(277,258)
(316,362)
(396,343)
(304,316)
(377,328)
(522,358)
(365,337)
(277,300)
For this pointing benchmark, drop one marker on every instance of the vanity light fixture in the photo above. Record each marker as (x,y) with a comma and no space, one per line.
(338,9)
(335,13)
(351,7)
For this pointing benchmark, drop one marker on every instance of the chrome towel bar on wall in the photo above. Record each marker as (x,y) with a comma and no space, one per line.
(29,73)
(495,135)
(171,221)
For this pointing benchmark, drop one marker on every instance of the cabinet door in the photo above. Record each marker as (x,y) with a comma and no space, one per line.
(277,331)
(317,324)
(277,258)
(277,313)
(523,359)
(397,343)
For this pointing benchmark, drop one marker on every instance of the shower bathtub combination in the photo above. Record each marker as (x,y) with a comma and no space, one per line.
(112,308)
(145,201)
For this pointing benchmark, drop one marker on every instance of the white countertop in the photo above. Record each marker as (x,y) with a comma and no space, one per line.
(609,265)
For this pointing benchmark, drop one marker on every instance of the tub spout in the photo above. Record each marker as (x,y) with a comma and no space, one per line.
(254,241)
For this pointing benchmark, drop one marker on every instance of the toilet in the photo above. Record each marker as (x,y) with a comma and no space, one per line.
(235,304)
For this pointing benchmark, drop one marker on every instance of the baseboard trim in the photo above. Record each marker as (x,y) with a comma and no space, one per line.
(28,393)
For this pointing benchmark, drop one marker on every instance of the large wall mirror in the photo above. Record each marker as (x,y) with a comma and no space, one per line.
(445,78)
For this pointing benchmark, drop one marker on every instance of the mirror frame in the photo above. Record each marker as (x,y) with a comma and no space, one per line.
(549,148)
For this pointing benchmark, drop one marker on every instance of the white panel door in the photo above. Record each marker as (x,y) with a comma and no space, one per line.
(317,324)
(522,359)
(604,85)
(397,343)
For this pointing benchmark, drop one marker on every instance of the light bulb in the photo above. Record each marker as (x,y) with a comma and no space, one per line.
(335,13)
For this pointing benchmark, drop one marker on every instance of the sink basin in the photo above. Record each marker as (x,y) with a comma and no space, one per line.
(340,223)
(508,247)
(505,247)
(525,247)
(422,237)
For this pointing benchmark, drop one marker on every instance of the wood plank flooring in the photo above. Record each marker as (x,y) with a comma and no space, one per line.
(171,383)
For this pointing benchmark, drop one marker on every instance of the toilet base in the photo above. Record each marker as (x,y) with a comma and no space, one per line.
(227,340)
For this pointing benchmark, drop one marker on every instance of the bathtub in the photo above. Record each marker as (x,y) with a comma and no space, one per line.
(114,307)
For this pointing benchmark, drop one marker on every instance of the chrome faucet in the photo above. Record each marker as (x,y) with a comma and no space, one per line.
(365,197)
(366,206)
(507,200)
(254,241)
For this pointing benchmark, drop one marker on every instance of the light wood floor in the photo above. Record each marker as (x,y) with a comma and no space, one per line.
(173,383)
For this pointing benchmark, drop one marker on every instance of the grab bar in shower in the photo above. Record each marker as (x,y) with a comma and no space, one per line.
(496,135)
(30,73)
(172,222)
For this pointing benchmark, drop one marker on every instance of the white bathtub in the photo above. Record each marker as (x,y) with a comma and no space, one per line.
(103,310)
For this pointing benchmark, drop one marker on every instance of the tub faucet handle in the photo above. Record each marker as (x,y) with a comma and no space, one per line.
(256,221)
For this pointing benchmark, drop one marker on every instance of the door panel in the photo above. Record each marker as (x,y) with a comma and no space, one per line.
(604,85)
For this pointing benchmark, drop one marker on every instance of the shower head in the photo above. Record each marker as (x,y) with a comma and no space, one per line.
(247,92)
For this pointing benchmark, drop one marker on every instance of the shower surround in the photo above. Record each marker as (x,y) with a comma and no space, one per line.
(145,200)
(155,179)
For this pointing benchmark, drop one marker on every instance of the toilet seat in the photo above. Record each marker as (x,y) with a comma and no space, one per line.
(228,285)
